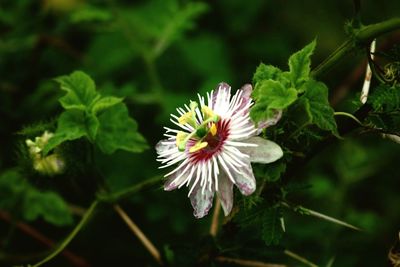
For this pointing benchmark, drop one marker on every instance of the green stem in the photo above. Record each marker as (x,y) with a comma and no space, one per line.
(299,258)
(124,193)
(153,75)
(360,36)
(71,236)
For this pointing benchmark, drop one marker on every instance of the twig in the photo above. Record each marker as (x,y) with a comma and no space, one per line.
(139,234)
(71,236)
(299,258)
(247,263)
(215,218)
(74,259)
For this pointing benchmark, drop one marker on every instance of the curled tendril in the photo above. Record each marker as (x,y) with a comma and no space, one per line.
(392,71)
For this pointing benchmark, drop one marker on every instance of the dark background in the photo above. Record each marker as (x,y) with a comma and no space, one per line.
(355,179)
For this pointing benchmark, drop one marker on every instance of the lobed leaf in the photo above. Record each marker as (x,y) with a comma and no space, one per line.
(299,65)
(271,95)
(316,93)
(71,125)
(81,91)
(119,131)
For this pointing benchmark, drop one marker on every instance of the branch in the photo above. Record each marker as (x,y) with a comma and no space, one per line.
(363,35)
(71,236)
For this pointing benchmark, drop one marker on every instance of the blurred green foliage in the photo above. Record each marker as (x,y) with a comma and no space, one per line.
(149,57)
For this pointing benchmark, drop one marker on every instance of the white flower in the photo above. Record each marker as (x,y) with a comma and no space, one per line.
(214,147)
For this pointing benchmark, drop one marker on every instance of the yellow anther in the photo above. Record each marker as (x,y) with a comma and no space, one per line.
(180,137)
(213,129)
(207,112)
(188,118)
(198,146)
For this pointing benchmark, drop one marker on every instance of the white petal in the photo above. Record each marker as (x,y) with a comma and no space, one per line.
(245,98)
(225,192)
(177,176)
(220,99)
(245,180)
(265,152)
(164,146)
(201,203)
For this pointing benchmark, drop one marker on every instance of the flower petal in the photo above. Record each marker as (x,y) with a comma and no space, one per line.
(225,192)
(201,203)
(164,145)
(245,97)
(265,152)
(220,98)
(245,180)
(269,122)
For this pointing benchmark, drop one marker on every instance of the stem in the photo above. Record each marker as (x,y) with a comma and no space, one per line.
(299,258)
(153,75)
(247,263)
(139,234)
(360,36)
(215,218)
(124,193)
(71,236)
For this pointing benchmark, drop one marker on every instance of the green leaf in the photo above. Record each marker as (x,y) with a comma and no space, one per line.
(81,91)
(48,205)
(71,126)
(271,95)
(119,131)
(105,103)
(322,113)
(92,125)
(19,196)
(301,112)
(272,231)
(269,72)
(266,72)
(299,65)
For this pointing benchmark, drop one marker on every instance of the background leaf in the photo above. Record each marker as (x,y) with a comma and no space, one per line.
(271,228)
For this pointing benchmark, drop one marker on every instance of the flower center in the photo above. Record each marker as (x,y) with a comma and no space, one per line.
(200,130)
(211,144)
